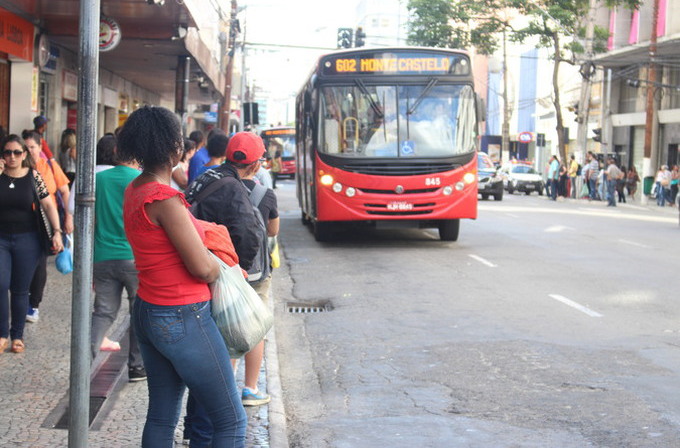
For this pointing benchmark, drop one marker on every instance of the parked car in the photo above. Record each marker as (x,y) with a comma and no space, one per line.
(523,178)
(489,180)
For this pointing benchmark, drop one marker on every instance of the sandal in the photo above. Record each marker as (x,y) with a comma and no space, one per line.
(4,343)
(18,346)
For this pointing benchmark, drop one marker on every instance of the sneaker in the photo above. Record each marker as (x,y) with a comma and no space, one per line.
(33,315)
(136,374)
(250,398)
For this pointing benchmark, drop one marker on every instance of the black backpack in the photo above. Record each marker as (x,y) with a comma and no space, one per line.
(261,268)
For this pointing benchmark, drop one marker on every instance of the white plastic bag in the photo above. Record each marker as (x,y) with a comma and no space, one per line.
(241,315)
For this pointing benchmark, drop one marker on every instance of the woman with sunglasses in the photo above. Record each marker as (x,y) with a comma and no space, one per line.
(20,245)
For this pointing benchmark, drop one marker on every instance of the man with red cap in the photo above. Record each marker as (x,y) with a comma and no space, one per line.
(220,196)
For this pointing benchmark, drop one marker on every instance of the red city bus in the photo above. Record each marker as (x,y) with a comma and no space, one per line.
(388,137)
(281,139)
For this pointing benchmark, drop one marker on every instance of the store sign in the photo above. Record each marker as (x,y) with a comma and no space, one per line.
(525,137)
(16,35)
(69,90)
(109,34)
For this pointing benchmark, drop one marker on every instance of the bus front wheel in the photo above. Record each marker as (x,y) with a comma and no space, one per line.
(448,230)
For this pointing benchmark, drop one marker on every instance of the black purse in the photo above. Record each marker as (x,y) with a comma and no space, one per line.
(45,231)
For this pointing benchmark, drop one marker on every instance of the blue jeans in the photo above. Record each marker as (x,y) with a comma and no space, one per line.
(660,194)
(180,346)
(553,189)
(592,186)
(19,253)
(611,193)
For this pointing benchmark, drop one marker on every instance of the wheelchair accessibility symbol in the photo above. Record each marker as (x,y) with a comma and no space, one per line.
(407,148)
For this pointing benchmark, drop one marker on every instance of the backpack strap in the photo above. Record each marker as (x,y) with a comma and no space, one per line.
(213,186)
(257,194)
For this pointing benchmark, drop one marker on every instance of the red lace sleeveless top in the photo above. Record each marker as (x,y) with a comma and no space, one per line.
(163,278)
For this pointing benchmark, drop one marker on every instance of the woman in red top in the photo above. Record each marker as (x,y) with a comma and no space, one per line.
(178,338)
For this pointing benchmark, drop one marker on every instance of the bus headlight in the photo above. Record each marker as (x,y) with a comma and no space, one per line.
(468,178)
(350,192)
(460,186)
(337,187)
(447,190)
(326,180)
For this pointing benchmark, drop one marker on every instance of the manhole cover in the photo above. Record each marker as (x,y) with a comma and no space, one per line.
(320,307)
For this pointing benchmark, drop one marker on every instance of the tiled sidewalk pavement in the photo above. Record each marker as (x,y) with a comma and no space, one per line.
(35,383)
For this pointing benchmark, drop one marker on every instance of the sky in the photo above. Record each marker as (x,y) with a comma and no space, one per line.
(280,68)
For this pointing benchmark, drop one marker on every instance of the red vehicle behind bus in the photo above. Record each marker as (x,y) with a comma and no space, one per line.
(281,140)
(388,137)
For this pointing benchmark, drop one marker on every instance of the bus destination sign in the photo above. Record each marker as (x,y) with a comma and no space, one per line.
(270,132)
(391,63)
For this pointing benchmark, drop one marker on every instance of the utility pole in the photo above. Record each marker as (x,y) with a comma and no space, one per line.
(587,73)
(505,131)
(79,382)
(225,110)
(647,169)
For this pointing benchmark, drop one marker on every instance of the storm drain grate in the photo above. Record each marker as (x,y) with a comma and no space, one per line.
(302,308)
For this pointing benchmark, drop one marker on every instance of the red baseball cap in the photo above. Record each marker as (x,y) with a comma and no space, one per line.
(245,147)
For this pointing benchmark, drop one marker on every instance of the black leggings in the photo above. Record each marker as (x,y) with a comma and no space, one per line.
(39,281)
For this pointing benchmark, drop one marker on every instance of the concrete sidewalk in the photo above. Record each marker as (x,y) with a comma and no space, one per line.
(34,387)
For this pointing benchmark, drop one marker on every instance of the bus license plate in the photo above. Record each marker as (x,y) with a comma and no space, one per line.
(399,206)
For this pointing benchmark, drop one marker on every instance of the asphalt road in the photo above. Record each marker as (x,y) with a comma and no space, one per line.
(548,324)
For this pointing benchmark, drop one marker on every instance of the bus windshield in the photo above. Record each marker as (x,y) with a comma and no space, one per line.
(284,144)
(393,121)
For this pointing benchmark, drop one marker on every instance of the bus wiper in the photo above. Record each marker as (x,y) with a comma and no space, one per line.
(428,87)
(374,106)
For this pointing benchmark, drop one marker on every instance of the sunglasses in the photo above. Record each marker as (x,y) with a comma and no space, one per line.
(9,152)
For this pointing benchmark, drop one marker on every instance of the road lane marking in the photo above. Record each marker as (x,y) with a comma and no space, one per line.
(482,260)
(512,215)
(621,214)
(575,305)
(558,228)
(633,243)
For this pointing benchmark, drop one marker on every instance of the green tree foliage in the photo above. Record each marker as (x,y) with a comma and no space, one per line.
(429,25)
(559,25)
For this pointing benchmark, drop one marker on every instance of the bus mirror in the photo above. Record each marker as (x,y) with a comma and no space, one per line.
(308,101)
(481,108)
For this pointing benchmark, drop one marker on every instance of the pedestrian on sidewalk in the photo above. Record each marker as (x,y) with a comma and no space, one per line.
(58,186)
(264,200)
(20,243)
(621,185)
(228,203)
(553,176)
(180,342)
(632,180)
(114,265)
(675,177)
(612,174)
(663,182)
(591,173)
(573,175)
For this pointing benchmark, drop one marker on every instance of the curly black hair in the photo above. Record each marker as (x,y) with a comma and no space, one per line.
(153,136)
